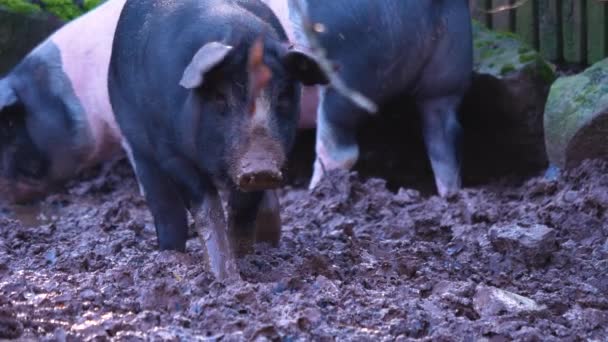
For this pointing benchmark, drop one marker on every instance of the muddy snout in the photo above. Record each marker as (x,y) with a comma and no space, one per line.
(259,167)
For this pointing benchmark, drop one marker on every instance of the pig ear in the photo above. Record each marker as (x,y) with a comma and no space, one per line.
(7,94)
(304,68)
(205,59)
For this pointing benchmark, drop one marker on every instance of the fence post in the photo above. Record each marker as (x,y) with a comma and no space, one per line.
(525,23)
(548,29)
(597,35)
(573,31)
(501,21)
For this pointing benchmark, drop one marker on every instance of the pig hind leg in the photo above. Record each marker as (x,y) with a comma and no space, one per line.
(129,152)
(443,139)
(445,79)
(253,216)
(165,203)
(336,143)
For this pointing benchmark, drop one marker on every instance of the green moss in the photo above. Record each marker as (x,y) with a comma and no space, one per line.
(507,68)
(19,6)
(573,102)
(544,70)
(507,35)
(64,9)
(528,57)
(90,4)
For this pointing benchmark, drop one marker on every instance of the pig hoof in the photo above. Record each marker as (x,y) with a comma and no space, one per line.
(449,194)
(261,180)
(317,174)
(448,189)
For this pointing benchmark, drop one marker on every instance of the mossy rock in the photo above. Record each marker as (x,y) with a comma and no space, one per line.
(20,33)
(62,9)
(24,24)
(503,53)
(576,117)
(503,110)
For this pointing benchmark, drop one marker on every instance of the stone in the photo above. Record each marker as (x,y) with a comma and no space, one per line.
(576,117)
(20,33)
(26,23)
(532,245)
(491,301)
(502,113)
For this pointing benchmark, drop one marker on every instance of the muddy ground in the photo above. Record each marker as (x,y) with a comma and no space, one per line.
(356,262)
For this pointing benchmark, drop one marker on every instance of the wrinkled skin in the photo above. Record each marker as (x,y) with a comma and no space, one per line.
(388,49)
(55,115)
(214,115)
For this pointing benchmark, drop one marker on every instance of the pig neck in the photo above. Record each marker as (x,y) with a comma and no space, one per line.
(85,45)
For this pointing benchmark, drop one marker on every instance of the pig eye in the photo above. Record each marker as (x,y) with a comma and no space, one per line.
(218,98)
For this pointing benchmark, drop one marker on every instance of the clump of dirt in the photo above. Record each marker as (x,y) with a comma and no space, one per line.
(356,262)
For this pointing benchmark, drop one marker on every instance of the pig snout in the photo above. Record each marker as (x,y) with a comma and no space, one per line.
(259,165)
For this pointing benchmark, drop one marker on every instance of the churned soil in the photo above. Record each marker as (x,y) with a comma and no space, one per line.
(500,262)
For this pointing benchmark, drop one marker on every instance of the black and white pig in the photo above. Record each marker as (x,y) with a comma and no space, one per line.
(206,94)
(387,49)
(55,113)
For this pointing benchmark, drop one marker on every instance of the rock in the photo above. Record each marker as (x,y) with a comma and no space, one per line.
(531,245)
(88,295)
(20,33)
(587,318)
(26,23)
(10,326)
(63,9)
(504,106)
(491,301)
(576,117)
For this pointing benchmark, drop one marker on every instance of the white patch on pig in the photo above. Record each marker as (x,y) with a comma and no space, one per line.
(261,116)
(127,148)
(328,155)
(86,45)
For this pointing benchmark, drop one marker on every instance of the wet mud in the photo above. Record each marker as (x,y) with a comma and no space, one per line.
(356,261)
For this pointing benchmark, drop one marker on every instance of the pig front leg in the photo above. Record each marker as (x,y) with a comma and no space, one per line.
(253,216)
(443,139)
(336,144)
(210,221)
(165,204)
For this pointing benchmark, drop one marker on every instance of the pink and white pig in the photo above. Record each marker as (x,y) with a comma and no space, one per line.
(55,114)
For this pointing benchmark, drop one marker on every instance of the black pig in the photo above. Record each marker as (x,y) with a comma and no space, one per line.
(206,94)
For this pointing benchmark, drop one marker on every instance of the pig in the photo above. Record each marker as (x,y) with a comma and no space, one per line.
(387,49)
(309,99)
(206,94)
(55,113)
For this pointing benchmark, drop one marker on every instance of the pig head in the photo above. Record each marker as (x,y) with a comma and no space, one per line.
(23,166)
(259,136)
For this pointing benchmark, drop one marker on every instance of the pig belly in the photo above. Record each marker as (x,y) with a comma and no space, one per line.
(86,46)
